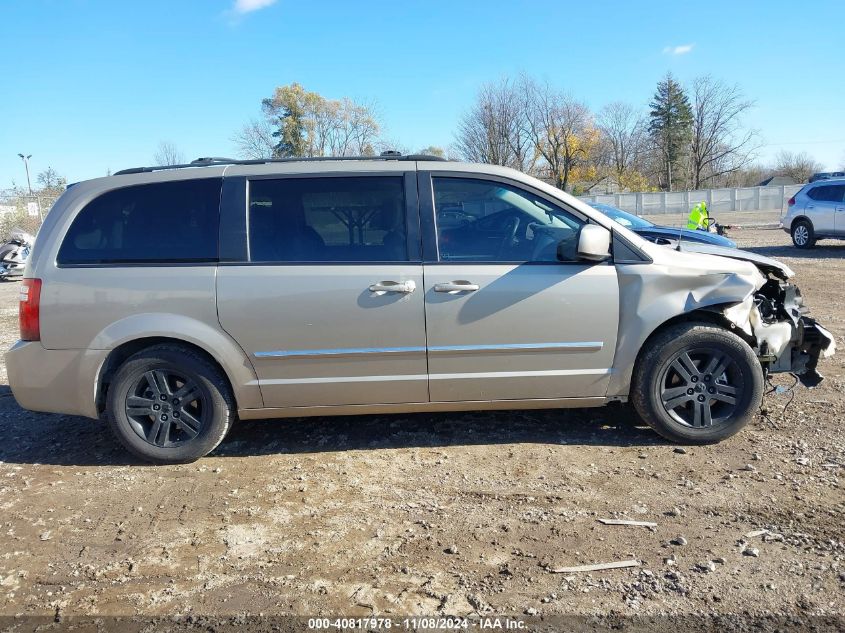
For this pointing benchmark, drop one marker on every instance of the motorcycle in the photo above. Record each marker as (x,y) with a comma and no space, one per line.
(14,253)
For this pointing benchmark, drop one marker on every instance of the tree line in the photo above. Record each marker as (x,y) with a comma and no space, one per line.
(687,137)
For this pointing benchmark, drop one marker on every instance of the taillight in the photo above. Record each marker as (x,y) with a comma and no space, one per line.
(791,201)
(28,315)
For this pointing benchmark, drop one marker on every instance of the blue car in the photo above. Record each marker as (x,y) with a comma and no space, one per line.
(660,234)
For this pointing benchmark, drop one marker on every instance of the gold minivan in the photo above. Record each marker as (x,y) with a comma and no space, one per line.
(174,300)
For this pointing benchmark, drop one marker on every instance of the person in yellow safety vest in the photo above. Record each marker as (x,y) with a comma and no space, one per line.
(699,218)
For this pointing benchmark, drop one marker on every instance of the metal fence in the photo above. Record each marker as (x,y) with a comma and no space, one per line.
(23,211)
(718,200)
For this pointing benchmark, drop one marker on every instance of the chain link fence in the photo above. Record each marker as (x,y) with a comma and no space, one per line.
(721,201)
(22,211)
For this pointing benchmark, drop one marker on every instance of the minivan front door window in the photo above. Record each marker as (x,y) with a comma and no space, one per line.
(489,221)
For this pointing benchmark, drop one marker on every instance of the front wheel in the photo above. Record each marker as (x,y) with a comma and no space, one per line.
(168,405)
(697,383)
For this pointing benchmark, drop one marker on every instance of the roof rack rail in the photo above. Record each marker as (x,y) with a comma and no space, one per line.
(213,159)
(209,161)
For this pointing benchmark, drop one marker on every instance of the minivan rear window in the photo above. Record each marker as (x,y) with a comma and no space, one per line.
(156,223)
(332,219)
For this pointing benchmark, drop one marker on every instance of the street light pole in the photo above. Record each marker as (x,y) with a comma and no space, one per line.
(25,160)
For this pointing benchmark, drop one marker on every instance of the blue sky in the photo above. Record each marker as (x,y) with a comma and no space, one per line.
(91,85)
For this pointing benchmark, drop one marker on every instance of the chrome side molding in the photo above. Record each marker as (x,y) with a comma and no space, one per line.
(346,351)
(577,346)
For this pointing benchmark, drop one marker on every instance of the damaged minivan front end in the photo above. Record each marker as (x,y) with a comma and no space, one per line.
(775,318)
(772,316)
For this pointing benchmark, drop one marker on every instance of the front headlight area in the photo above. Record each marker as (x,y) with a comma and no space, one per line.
(787,339)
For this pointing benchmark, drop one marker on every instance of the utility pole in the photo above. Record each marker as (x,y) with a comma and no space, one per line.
(25,160)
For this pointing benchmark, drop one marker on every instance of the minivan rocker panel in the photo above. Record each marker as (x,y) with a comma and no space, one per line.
(174,300)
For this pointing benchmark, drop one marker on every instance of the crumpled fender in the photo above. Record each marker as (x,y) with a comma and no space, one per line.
(678,283)
(651,295)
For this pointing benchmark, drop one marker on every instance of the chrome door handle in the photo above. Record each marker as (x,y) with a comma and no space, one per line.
(406,287)
(456,286)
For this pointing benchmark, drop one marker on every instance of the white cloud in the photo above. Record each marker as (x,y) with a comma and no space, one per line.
(683,49)
(248,6)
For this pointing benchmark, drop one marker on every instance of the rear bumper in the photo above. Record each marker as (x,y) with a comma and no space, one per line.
(54,381)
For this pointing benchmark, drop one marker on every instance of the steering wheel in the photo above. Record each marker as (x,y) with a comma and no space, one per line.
(511,229)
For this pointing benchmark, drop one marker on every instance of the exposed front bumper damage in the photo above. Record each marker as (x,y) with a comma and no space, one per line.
(786,339)
(747,290)
(773,316)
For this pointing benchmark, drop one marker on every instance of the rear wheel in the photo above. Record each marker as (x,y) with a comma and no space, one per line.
(697,384)
(168,404)
(803,235)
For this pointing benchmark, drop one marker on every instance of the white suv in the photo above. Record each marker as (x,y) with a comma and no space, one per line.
(816,212)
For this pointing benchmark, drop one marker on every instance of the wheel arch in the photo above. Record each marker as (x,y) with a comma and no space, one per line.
(245,394)
(801,218)
(710,315)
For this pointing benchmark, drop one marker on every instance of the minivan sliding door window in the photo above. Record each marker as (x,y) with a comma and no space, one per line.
(335,219)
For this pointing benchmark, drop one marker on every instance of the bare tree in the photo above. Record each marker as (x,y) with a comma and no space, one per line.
(799,167)
(557,124)
(718,143)
(624,133)
(255,140)
(49,181)
(349,129)
(168,154)
(496,130)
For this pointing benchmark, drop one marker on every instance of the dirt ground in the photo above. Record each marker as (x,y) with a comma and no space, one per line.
(439,513)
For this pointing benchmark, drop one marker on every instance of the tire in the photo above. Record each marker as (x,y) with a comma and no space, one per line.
(803,235)
(723,369)
(206,409)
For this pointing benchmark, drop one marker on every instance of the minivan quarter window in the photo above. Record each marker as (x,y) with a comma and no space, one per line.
(490,221)
(331,219)
(156,223)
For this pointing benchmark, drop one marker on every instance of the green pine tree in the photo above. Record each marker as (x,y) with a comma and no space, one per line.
(670,125)
(289,107)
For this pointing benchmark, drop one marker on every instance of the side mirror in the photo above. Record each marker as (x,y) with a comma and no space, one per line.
(593,243)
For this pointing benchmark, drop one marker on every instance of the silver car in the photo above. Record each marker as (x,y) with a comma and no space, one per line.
(816,212)
(176,300)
